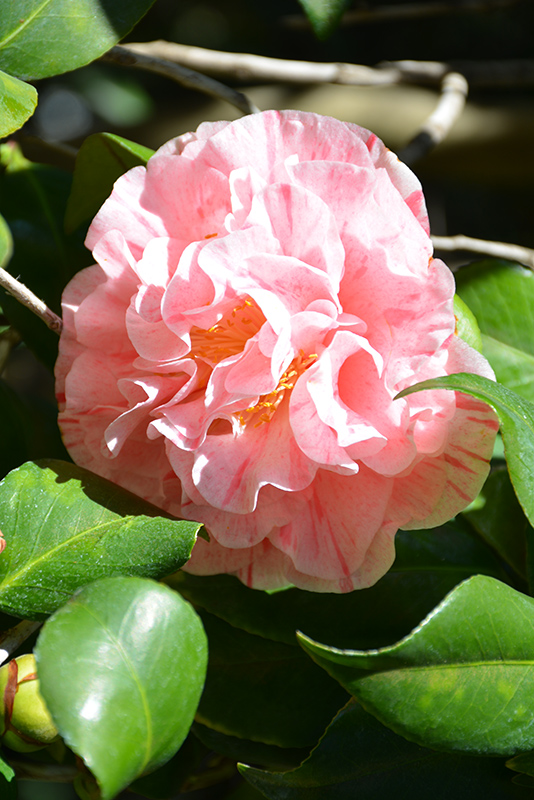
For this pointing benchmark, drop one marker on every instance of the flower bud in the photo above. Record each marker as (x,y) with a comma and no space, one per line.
(27,724)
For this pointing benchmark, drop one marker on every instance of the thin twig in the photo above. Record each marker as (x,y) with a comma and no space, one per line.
(510,252)
(11,639)
(454,89)
(406,11)
(27,298)
(127,56)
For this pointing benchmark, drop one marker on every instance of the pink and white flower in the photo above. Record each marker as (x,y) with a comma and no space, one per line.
(262,291)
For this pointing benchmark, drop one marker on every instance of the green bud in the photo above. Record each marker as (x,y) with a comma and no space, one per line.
(26,725)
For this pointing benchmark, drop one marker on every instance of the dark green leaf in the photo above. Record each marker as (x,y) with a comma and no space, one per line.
(268,756)
(360,758)
(522,763)
(15,430)
(167,781)
(265,691)
(121,668)
(428,565)
(324,15)
(39,39)
(102,158)
(460,682)
(517,427)
(500,520)
(501,295)
(66,527)
(32,200)
(17,103)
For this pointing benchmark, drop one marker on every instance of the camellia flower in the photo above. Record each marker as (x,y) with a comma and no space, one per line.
(262,292)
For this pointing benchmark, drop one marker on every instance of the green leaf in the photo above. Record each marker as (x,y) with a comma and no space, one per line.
(121,668)
(522,763)
(6,243)
(102,158)
(265,691)
(428,565)
(32,200)
(517,427)
(460,682)
(360,758)
(8,785)
(266,755)
(466,324)
(500,520)
(65,527)
(501,295)
(167,781)
(324,15)
(17,103)
(39,38)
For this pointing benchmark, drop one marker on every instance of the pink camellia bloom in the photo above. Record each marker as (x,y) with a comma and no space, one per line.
(263,290)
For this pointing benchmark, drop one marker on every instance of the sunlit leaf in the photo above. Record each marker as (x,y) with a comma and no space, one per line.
(501,295)
(17,103)
(121,668)
(65,527)
(460,682)
(39,39)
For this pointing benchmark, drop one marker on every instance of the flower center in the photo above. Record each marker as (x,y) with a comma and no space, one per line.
(268,403)
(229,336)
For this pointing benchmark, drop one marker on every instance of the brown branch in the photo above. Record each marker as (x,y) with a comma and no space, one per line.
(27,298)
(510,252)
(129,56)
(454,89)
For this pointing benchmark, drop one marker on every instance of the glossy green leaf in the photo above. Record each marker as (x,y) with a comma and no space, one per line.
(360,758)
(501,295)
(17,103)
(65,527)
(428,565)
(42,38)
(460,682)
(324,15)
(500,520)
(121,668)
(102,158)
(466,324)
(6,243)
(516,416)
(33,199)
(265,691)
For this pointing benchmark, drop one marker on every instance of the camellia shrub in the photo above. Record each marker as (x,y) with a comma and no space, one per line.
(283,547)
